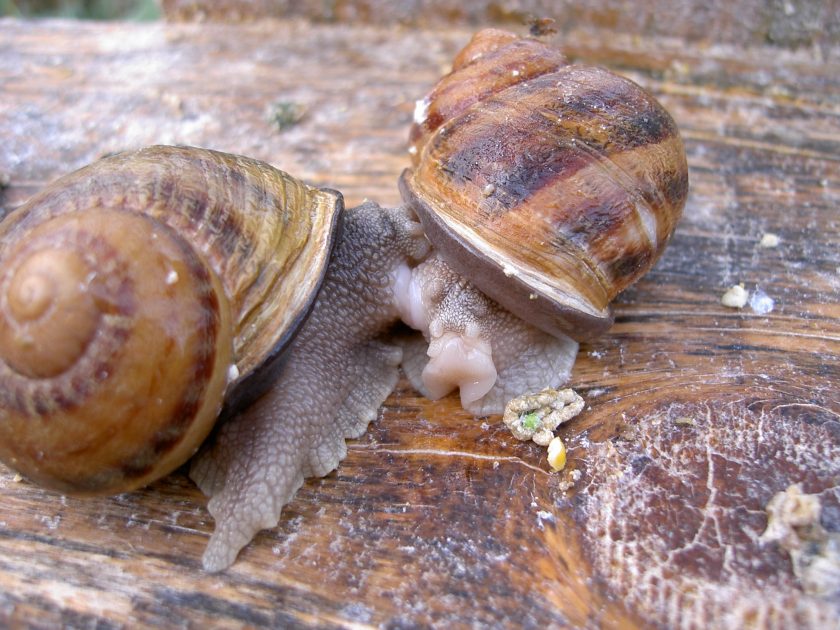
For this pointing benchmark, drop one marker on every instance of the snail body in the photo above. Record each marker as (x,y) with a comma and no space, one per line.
(538,204)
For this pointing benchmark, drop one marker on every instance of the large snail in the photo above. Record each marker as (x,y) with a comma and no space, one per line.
(142,294)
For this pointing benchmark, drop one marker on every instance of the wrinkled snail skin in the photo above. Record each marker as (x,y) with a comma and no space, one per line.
(339,370)
(133,294)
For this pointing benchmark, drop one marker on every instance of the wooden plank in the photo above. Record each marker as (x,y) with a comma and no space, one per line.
(748,22)
(696,414)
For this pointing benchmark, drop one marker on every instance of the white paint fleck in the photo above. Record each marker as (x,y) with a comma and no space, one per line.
(52,523)
(769,240)
(735,297)
(171,277)
(761,303)
(233,373)
(421,110)
(86,600)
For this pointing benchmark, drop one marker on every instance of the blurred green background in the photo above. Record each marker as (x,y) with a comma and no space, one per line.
(83,9)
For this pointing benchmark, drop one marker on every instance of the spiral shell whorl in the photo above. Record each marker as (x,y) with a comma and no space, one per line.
(46,286)
(128,346)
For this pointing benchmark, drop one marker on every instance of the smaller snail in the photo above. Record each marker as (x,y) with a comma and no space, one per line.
(552,187)
(144,295)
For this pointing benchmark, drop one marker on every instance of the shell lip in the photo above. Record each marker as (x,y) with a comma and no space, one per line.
(251,386)
(548,313)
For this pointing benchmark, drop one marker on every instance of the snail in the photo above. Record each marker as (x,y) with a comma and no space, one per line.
(146,295)
(552,187)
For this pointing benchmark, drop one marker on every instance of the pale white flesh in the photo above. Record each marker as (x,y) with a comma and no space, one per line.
(472,343)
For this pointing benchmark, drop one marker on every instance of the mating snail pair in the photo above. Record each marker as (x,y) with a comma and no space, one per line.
(143,294)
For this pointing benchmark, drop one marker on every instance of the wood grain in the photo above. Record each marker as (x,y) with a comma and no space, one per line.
(696,414)
(794,24)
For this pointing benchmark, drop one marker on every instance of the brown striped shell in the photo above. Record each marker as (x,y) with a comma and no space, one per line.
(135,294)
(551,186)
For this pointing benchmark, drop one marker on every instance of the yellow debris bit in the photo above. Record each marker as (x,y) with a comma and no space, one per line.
(557,454)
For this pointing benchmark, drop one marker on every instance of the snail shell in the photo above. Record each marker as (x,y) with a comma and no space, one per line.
(551,186)
(145,287)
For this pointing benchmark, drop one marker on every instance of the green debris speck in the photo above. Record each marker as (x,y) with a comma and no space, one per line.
(530,421)
(285,114)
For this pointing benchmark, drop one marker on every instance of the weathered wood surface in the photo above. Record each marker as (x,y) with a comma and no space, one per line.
(697,414)
(793,23)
